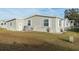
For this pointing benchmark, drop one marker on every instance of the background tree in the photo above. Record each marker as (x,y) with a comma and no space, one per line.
(72,14)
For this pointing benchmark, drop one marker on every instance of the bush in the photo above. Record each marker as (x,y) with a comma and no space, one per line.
(74,29)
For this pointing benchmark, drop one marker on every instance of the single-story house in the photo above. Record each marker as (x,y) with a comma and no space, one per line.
(67,24)
(2,24)
(74,23)
(15,24)
(41,23)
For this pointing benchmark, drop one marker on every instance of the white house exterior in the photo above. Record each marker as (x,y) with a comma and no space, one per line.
(40,23)
(66,24)
(15,24)
(74,24)
(43,24)
(2,24)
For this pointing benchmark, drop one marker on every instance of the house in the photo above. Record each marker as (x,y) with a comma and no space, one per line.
(15,24)
(43,23)
(2,24)
(40,23)
(67,24)
(74,24)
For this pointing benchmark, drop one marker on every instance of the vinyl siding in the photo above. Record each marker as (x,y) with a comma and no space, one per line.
(38,24)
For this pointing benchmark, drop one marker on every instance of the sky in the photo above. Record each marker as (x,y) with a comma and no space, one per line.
(10,13)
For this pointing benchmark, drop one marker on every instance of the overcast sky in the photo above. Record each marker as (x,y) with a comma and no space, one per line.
(9,13)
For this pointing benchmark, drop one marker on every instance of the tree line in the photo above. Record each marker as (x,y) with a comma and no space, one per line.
(72,14)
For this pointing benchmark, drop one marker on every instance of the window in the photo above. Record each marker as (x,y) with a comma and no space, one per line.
(29,22)
(1,23)
(10,24)
(46,22)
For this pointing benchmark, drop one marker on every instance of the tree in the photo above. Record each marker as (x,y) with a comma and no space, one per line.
(72,14)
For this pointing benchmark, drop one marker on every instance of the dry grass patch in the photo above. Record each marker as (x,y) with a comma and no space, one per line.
(36,41)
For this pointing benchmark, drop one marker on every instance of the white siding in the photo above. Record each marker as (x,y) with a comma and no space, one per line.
(19,24)
(38,24)
(11,25)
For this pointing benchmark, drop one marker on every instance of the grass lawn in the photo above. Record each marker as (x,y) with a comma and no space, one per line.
(37,41)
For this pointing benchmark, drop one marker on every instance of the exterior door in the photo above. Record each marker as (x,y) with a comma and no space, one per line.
(20,27)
